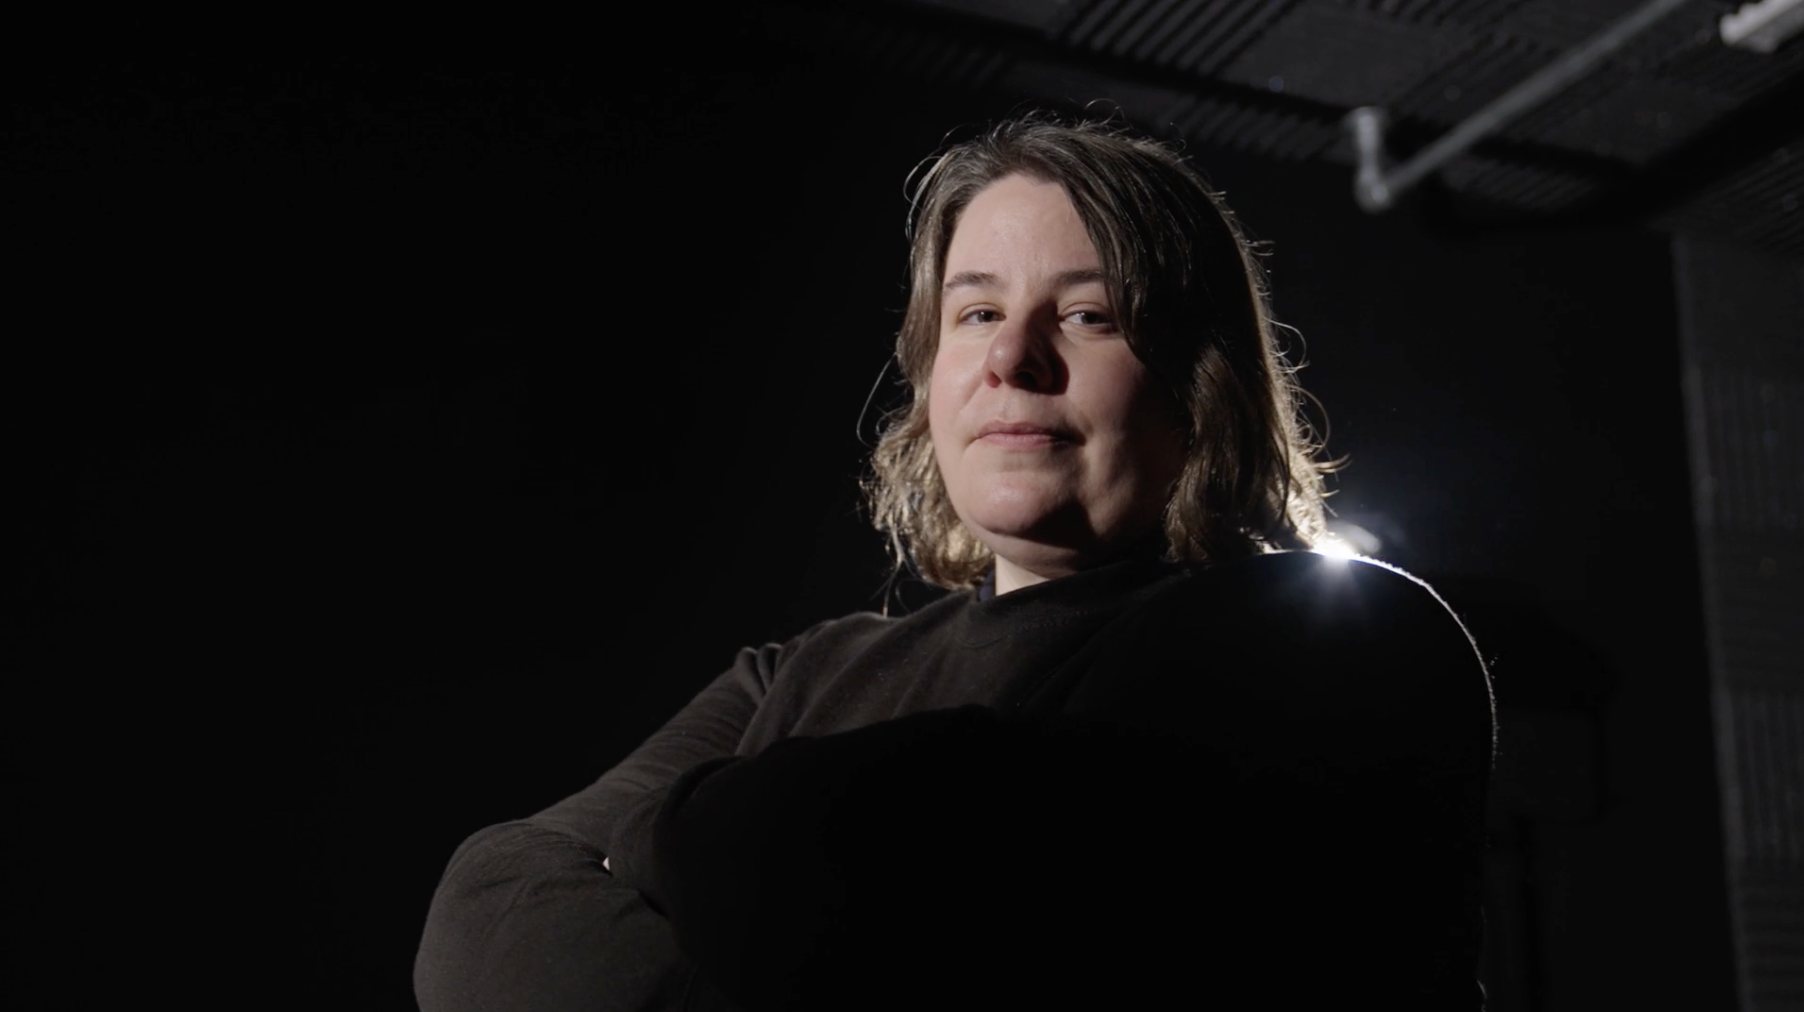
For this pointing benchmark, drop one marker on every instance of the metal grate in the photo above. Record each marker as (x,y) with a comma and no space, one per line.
(1485,68)
(1148,103)
(1517,185)
(1767,873)
(1688,30)
(1276,135)
(1465,13)
(1540,123)
(1769,915)
(1733,72)
(1105,21)
(890,47)
(1041,15)
(1559,25)
(1761,206)
(1199,36)
(1754,430)
(1757,593)
(1768,729)
(1432,63)
(1741,325)
(1638,120)
(1337,55)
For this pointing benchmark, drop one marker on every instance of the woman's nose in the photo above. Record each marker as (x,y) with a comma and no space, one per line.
(1021,355)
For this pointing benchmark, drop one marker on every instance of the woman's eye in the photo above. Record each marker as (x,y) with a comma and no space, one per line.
(981,316)
(1092,318)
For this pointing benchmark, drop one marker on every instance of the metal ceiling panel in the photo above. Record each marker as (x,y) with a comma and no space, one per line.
(1105,21)
(1198,36)
(1275,77)
(1273,134)
(1556,26)
(911,52)
(1761,205)
(1138,37)
(1148,103)
(1686,30)
(1539,125)
(1209,50)
(1517,184)
(1736,73)
(1559,25)
(1638,121)
(1486,68)
(1200,118)
(1042,15)
(1333,53)
(1462,13)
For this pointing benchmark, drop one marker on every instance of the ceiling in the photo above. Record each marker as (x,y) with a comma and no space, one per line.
(1675,131)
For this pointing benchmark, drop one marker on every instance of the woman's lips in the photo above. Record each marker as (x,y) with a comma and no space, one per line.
(1018,435)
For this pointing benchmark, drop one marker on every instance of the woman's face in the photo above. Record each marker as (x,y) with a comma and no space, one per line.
(1057,447)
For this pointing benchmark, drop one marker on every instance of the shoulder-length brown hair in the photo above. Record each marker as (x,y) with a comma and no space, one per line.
(1190,299)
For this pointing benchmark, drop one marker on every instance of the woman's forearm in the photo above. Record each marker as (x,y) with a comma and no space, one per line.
(526,919)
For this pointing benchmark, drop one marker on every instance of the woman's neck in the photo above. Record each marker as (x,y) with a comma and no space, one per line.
(1012,575)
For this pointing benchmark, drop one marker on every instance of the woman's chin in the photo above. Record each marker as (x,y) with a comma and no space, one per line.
(1013,521)
(1052,541)
(1036,540)
(1020,505)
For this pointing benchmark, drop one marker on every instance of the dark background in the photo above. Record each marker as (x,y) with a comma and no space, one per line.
(401,431)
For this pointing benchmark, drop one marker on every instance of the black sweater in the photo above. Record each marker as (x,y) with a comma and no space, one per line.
(1257,784)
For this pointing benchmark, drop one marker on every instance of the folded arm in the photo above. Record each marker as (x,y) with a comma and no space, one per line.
(526,915)
(1261,779)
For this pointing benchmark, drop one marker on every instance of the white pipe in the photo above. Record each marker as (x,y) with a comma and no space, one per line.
(1377,189)
(1764,26)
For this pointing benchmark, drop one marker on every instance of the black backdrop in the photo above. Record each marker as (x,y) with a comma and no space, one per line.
(404,431)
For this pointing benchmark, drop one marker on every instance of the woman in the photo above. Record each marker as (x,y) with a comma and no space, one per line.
(1148,750)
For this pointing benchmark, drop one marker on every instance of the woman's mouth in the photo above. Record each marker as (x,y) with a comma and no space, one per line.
(1021,435)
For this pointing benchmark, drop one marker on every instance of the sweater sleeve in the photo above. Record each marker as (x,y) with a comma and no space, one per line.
(525,916)
(1271,780)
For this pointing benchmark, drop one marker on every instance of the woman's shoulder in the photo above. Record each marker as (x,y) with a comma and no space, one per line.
(1320,639)
(1317,594)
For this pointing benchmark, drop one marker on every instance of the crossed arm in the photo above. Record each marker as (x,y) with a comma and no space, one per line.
(527,915)
(1303,791)
(1294,805)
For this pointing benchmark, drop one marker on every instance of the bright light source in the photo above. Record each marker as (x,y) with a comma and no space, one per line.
(1333,547)
(1347,541)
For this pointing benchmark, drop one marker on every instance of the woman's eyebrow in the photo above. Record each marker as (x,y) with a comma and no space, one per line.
(981,279)
(1083,276)
(970,279)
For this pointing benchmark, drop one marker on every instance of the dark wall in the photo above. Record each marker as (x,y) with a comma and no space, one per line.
(402,436)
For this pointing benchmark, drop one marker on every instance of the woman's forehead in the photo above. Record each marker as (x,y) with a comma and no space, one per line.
(1018,228)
